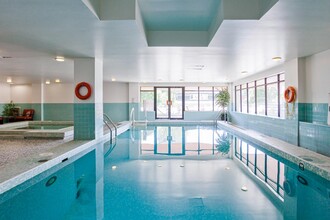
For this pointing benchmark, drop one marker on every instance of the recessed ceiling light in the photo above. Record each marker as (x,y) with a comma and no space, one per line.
(113,79)
(57,80)
(9,80)
(197,67)
(276,58)
(59,59)
(47,82)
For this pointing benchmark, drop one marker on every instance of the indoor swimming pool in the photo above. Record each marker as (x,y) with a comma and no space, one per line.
(172,172)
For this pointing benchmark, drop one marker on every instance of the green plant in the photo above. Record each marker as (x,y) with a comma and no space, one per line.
(8,109)
(222,100)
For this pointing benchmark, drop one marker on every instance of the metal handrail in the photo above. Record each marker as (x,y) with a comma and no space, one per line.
(132,117)
(106,120)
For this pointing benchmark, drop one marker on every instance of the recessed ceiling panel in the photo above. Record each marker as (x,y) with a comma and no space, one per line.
(174,15)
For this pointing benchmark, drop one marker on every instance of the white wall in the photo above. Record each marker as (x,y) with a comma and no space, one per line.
(59,93)
(36,93)
(4,93)
(21,93)
(318,77)
(115,92)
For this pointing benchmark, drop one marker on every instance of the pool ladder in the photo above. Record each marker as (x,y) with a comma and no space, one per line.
(112,127)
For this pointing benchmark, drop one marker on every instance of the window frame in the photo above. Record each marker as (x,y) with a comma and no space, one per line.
(238,91)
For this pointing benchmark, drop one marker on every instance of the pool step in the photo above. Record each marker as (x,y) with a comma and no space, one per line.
(12,136)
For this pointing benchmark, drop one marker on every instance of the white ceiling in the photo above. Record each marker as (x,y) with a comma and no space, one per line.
(33,32)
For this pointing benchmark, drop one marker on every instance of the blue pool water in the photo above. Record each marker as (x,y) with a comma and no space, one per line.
(172,172)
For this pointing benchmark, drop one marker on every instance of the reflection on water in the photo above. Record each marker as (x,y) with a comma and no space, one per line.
(187,140)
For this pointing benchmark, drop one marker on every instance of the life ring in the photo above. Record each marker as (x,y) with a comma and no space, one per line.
(77,91)
(290,94)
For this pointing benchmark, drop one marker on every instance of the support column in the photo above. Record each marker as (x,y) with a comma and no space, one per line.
(88,114)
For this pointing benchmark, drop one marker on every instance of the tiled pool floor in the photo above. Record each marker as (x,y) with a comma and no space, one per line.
(182,189)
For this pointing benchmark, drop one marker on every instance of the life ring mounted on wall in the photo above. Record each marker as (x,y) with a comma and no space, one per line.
(290,94)
(77,90)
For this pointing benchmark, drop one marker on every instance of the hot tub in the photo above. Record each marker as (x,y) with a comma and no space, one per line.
(37,129)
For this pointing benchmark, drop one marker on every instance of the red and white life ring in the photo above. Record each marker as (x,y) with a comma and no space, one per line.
(290,94)
(77,90)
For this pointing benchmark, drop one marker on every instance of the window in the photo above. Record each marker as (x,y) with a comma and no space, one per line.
(261,100)
(238,98)
(147,98)
(262,97)
(252,98)
(206,98)
(191,99)
(281,100)
(244,99)
(195,98)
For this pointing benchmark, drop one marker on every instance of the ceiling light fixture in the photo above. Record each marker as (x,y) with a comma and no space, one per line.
(197,67)
(277,58)
(9,80)
(113,79)
(57,80)
(47,82)
(59,59)
(244,72)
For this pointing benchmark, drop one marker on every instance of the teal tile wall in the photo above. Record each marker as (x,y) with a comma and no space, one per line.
(58,111)
(315,137)
(313,112)
(117,111)
(84,121)
(198,116)
(284,129)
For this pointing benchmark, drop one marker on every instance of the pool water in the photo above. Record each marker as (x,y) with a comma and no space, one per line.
(171,172)
(44,127)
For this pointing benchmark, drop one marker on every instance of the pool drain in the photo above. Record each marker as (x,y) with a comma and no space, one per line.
(51,181)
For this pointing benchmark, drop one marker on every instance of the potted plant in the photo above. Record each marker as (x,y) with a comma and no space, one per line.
(222,100)
(8,109)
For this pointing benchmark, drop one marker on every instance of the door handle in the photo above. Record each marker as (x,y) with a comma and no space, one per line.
(168,102)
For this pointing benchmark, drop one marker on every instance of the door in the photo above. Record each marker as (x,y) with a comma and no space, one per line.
(169,102)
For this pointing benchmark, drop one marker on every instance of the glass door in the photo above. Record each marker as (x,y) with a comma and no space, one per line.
(162,103)
(169,102)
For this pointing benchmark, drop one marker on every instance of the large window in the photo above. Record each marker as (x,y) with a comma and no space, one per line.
(262,97)
(191,99)
(147,98)
(196,98)
(206,98)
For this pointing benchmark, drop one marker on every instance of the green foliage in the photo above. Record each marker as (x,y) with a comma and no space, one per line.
(223,98)
(8,109)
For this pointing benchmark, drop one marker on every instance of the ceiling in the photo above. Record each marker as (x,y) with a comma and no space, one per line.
(163,42)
